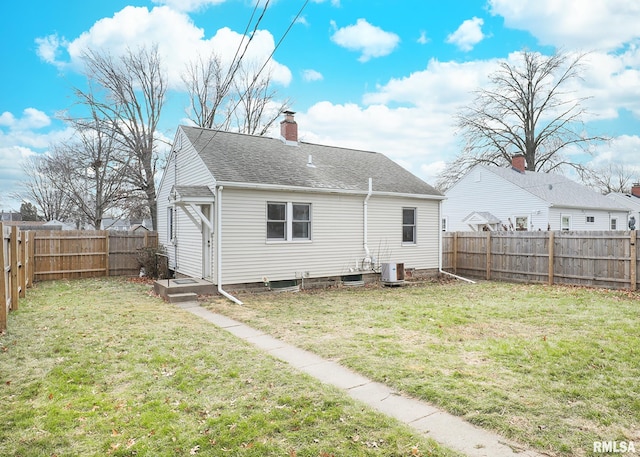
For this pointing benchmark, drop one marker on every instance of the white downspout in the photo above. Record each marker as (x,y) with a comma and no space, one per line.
(440,247)
(219,248)
(366,225)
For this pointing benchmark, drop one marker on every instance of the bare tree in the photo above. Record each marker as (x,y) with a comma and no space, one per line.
(40,189)
(207,86)
(92,170)
(132,96)
(256,109)
(614,177)
(525,110)
(236,98)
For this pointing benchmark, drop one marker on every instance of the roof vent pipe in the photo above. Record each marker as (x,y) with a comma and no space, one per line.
(310,163)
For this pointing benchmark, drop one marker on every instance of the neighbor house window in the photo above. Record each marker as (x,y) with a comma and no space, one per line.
(565,223)
(444,224)
(288,221)
(591,219)
(613,225)
(276,221)
(409,225)
(522,223)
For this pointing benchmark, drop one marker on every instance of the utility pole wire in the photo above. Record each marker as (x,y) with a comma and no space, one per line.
(255,78)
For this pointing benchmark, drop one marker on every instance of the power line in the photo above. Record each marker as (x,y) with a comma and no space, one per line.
(255,78)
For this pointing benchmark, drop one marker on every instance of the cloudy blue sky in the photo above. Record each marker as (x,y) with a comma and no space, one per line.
(380,75)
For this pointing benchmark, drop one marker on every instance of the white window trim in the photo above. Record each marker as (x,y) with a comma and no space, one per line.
(587,221)
(562,216)
(289,224)
(522,216)
(415,226)
(611,222)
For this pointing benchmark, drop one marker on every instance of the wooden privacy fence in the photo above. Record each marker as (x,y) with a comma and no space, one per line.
(16,263)
(606,259)
(72,254)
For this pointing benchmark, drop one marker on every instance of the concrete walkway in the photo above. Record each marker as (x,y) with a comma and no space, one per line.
(448,430)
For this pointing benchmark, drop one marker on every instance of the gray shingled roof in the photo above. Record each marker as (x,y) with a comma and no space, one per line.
(239,158)
(556,189)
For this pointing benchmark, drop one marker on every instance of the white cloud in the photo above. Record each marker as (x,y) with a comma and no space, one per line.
(188,5)
(32,119)
(335,3)
(311,75)
(576,24)
(368,39)
(410,136)
(468,34)
(620,150)
(178,40)
(422,39)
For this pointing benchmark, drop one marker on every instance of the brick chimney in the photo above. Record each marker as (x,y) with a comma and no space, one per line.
(289,128)
(635,189)
(518,163)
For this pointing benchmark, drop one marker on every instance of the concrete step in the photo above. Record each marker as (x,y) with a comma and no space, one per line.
(182,297)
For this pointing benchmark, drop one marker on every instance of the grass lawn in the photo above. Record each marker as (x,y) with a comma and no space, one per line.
(101,367)
(554,367)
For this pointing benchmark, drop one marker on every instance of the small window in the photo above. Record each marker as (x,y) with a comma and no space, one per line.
(522,223)
(170,234)
(276,221)
(614,224)
(591,219)
(444,224)
(409,225)
(565,223)
(301,223)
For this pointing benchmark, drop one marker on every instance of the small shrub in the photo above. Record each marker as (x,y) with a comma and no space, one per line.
(153,262)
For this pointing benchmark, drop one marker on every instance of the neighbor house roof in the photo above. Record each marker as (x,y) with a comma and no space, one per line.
(248,159)
(557,190)
(627,200)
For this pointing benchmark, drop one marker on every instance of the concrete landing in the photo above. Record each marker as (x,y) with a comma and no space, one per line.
(449,430)
(167,287)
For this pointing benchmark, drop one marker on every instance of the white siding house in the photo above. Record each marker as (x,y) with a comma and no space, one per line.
(494,198)
(239,209)
(631,201)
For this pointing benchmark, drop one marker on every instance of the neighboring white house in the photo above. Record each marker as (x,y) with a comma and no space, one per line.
(631,202)
(123,224)
(241,209)
(494,198)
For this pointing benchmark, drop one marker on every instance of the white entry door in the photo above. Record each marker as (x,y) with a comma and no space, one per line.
(206,243)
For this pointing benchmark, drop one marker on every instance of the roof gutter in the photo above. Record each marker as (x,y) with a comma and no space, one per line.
(219,249)
(327,190)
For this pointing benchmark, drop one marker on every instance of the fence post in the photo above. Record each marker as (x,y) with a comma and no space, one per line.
(488,255)
(551,253)
(13,248)
(3,283)
(633,267)
(106,261)
(22,267)
(455,252)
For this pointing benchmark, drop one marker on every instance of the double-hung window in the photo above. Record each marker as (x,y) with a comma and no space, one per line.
(409,225)
(301,221)
(277,221)
(287,221)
